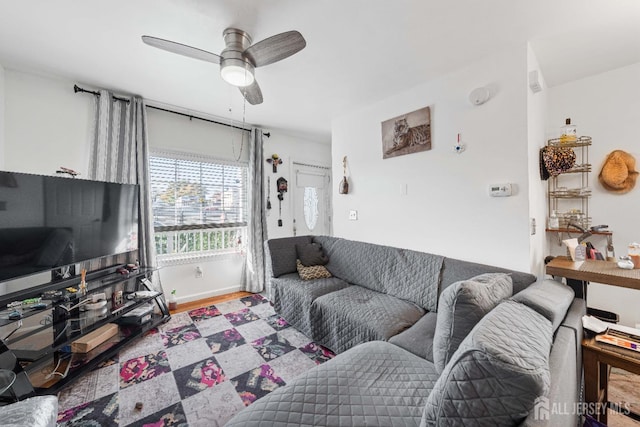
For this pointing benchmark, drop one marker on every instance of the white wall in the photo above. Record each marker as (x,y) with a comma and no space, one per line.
(2,102)
(447,209)
(46,124)
(172,132)
(289,148)
(607,108)
(537,104)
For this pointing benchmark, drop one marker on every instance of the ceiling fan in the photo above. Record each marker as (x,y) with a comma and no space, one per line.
(240,58)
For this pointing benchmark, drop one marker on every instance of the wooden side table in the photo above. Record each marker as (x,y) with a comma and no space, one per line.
(606,272)
(597,360)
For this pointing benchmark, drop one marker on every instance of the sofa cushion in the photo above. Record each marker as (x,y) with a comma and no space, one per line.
(549,298)
(312,272)
(418,339)
(454,270)
(38,411)
(375,383)
(282,254)
(351,316)
(292,297)
(409,275)
(311,254)
(461,307)
(497,373)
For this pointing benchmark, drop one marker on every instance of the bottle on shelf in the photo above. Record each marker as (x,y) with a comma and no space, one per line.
(634,254)
(554,220)
(568,133)
(173,302)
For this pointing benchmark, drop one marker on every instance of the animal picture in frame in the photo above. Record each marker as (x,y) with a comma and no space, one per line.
(407,134)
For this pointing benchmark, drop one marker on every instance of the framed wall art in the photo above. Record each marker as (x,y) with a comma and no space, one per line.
(407,134)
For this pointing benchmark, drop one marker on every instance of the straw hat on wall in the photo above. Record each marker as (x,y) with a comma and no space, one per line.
(618,173)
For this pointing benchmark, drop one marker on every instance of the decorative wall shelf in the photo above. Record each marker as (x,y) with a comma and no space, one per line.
(568,193)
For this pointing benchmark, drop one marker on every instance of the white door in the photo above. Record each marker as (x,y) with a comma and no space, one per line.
(311,201)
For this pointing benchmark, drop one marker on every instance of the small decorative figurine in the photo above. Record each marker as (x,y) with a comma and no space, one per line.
(68,171)
(275,160)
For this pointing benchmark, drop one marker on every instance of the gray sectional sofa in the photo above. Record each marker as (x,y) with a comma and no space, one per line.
(422,340)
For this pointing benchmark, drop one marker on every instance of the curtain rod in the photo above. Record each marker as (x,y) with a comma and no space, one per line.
(77,89)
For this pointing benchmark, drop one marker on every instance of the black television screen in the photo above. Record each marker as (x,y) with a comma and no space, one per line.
(47,222)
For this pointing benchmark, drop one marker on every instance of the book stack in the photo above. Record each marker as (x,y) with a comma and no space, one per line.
(628,338)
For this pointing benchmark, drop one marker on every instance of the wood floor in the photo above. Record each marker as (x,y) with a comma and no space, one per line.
(186,306)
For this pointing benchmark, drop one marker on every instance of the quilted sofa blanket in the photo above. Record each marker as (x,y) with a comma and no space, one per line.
(377,292)
(523,353)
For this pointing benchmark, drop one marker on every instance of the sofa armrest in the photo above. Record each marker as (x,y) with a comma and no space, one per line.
(565,364)
(418,339)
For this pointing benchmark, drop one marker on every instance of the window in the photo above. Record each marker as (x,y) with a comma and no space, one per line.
(199,205)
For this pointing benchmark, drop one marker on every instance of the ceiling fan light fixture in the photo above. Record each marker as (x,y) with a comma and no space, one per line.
(239,59)
(237,73)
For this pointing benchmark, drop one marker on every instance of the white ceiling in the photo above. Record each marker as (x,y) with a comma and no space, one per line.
(358,51)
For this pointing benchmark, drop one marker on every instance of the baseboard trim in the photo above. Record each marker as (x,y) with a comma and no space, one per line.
(208,294)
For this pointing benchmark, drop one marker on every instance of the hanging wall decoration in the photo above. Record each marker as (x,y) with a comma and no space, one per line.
(275,160)
(268,192)
(344,184)
(618,173)
(282,186)
(407,134)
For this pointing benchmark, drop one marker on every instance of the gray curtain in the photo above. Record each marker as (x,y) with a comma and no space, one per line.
(253,277)
(120,153)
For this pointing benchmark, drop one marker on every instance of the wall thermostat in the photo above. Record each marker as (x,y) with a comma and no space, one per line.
(500,190)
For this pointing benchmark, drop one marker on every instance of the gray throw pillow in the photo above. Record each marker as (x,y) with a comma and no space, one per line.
(311,254)
(460,308)
(497,374)
(282,254)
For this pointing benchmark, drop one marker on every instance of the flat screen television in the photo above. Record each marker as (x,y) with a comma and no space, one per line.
(48,222)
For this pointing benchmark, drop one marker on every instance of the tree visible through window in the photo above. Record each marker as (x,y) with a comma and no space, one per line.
(199,205)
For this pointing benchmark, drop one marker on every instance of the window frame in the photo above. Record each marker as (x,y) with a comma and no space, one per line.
(227,232)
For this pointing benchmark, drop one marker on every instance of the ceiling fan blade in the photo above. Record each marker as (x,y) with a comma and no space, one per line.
(275,48)
(252,93)
(181,49)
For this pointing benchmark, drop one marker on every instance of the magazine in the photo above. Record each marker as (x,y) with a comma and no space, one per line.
(620,338)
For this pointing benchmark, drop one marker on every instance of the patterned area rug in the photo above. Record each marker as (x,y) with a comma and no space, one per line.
(198,369)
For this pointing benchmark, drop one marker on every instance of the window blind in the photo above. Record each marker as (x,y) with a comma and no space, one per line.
(197,194)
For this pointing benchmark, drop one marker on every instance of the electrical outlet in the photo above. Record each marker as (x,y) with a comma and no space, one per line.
(198,272)
(353,215)
(533,226)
